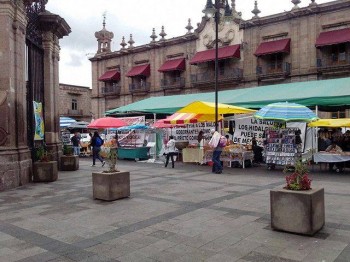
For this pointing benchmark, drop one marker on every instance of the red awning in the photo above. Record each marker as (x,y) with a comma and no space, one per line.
(333,37)
(111,75)
(223,53)
(173,65)
(141,70)
(273,47)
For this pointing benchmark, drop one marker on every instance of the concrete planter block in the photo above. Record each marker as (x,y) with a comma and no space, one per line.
(110,186)
(69,163)
(300,212)
(45,171)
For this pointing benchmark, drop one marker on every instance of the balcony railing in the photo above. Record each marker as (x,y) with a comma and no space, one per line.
(172,83)
(111,90)
(333,62)
(274,70)
(224,75)
(71,112)
(142,87)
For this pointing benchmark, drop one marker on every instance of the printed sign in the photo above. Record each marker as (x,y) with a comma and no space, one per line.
(190,132)
(39,121)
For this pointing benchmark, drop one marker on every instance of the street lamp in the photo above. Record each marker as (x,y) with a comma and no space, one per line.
(213,10)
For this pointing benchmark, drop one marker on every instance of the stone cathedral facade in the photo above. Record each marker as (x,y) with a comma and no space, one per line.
(29,55)
(301,44)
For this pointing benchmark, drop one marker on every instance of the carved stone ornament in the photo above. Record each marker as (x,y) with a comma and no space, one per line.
(229,36)
(207,41)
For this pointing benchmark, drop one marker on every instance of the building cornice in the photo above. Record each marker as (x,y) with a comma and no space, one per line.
(143,48)
(304,11)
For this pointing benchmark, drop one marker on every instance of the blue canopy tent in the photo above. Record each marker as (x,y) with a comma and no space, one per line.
(66,121)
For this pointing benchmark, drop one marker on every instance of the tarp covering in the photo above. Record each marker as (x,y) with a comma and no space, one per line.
(272,47)
(140,70)
(111,75)
(200,107)
(223,53)
(339,122)
(189,118)
(330,93)
(173,65)
(333,37)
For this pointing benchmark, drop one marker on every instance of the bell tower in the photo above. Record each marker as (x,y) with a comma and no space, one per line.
(104,38)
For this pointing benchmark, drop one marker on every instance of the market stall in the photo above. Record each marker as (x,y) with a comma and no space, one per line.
(200,116)
(283,146)
(133,144)
(341,139)
(238,154)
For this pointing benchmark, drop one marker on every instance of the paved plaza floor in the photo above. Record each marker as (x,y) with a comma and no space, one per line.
(181,214)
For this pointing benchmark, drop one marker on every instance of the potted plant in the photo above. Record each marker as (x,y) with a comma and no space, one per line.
(44,170)
(298,208)
(110,184)
(68,162)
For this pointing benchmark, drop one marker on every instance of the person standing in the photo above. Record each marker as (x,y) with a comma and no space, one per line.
(217,150)
(96,143)
(76,143)
(171,151)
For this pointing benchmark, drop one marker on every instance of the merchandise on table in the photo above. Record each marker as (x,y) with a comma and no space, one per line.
(281,147)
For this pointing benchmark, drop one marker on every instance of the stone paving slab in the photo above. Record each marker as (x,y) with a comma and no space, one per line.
(181,214)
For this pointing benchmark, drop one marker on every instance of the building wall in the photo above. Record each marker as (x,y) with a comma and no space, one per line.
(302,25)
(82,95)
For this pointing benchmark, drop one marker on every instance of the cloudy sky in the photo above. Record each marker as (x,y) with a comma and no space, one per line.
(137,17)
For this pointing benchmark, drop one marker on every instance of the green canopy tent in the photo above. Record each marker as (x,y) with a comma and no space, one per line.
(330,94)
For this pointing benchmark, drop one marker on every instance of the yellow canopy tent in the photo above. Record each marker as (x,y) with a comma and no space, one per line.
(339,122)
(208,108)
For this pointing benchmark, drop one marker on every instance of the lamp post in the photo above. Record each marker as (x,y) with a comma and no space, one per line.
(213,11)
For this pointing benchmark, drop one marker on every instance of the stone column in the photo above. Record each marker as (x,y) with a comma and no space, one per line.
(53,27)
(15,158)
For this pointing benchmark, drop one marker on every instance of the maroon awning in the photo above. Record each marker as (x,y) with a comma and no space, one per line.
(173,65)
(273,47)
(111,75)
(333,37)
(141,70)
(223,53)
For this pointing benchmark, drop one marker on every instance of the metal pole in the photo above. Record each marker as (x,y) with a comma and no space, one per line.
(217,17)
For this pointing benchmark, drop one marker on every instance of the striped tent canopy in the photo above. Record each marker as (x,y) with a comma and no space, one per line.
(66,121)
(189,118)
(288,112)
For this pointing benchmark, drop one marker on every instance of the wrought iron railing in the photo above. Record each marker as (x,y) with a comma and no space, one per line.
(271,69)
(341,59)
(139,87)
(111,90)
(170,83)
(223,75)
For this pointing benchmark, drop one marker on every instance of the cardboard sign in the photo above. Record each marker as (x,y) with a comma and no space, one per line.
(249,127)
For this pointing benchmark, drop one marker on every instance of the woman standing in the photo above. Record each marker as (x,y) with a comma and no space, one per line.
(96,143)
(171,151)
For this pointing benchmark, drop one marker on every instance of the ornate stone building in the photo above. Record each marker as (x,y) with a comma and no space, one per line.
(304,43)
(29,55)
(75,102)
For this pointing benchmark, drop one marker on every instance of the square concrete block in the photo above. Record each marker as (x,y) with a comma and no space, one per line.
(301,212)
(45,171)
(69,163)
(110,186)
